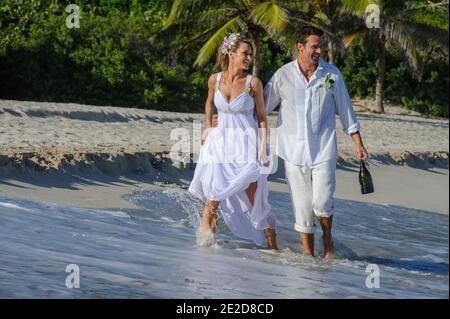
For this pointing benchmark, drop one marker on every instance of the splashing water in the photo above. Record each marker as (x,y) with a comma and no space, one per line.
(153,252)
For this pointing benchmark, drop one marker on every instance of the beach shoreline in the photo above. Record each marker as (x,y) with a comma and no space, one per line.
(99,188)
(91,156)
(424,189)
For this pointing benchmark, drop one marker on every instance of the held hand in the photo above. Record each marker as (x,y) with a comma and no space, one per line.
(205,135)
(262,156)
(361,152)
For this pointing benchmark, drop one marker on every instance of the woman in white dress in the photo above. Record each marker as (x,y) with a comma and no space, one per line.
(231,173)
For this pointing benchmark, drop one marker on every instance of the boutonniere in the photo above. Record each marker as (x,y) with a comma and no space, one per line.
(328,82)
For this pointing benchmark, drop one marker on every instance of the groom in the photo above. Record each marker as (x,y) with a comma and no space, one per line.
(310,92)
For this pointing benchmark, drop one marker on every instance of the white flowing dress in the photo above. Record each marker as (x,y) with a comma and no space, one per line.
(228,164)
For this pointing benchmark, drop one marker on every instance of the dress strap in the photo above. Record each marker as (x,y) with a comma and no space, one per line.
(248,83)
(218,77)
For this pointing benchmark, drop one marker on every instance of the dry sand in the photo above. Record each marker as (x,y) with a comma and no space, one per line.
(89,156)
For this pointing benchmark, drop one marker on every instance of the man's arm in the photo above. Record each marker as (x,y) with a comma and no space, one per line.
(361,152)
(347,117)
(272,96)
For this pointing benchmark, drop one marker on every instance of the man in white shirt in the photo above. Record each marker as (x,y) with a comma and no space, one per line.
(310,92)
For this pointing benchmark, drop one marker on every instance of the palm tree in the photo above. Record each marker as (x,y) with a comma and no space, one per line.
(255,18)
(397,28)
(321,14)
(325,15)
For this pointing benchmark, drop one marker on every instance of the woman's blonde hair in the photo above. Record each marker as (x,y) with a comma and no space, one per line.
(230,44)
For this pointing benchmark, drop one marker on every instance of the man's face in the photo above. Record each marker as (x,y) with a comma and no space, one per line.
(310,52)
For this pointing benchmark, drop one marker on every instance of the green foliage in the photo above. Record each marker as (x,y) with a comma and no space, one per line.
(359,70)
(112,59)
(122,56)
(272,58)
(428,94)
(430,13)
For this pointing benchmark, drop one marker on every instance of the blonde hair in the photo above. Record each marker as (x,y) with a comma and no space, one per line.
(230,44)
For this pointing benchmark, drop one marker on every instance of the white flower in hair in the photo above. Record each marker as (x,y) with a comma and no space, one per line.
(228,42)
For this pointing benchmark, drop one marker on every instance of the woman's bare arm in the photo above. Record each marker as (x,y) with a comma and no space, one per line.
(209,107)
(258,96)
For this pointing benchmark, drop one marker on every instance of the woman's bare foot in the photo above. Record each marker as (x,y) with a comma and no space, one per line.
(271,237)
(208,225)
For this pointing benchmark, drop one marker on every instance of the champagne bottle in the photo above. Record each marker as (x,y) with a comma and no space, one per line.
(365,180)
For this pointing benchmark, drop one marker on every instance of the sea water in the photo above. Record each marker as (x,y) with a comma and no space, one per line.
(383,251)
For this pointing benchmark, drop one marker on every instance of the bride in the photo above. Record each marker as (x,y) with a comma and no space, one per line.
(230,173)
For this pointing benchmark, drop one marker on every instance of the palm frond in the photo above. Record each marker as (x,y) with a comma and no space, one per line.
(357,6)
(182,7)
(248,4)
(433,18)
(398,34)
(192,41)
(195,39)
(270,16)
(175,12)
(425,35)
(350,39)
(443,5)
(286,40)
(209,49)
(318,23)
(214,16)
(322,17)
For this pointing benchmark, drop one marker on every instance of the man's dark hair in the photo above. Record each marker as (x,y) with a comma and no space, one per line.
(305,31)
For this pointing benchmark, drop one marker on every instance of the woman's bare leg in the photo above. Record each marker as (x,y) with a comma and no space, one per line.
(270,233)
(209,218)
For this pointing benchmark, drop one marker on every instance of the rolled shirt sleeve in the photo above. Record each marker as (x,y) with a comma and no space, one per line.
(344,106)
(272,96)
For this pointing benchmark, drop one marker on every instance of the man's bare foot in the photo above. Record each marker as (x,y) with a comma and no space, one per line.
(271,238)
(328,248)
(307,241)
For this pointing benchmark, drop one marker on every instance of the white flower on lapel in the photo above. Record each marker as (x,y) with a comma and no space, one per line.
(328,82)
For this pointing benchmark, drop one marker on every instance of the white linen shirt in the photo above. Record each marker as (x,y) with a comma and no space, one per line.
(306,126)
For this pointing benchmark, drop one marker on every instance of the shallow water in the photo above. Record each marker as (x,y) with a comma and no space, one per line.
(152,252)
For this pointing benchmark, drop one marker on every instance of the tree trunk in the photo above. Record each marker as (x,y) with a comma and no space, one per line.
(330,52)
(257,57)
(379,91)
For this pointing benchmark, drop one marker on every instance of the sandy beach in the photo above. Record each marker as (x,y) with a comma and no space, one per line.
(80,155)
(98,187)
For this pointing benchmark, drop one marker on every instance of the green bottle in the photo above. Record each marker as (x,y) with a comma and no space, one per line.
(365,180)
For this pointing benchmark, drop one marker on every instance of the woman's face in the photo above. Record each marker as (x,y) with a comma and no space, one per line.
(242,57)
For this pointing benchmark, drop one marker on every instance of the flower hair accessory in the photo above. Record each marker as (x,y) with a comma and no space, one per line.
(228,41)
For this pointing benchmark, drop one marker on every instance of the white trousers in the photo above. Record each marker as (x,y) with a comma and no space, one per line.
(312,190)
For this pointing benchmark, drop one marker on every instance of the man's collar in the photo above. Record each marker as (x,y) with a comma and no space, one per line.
(319,71)
(320,68)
